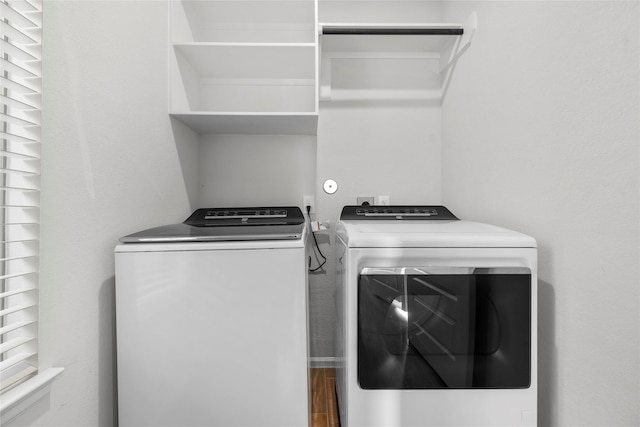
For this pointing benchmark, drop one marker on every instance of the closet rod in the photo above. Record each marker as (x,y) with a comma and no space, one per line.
(392,31)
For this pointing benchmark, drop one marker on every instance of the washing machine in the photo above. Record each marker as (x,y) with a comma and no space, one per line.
(212,321)
(436,320)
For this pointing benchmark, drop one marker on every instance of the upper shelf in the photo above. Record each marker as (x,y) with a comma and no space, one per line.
(244,21)
(395,37)
(391,29)
(344,47)
(244,66)
(365,37)
(250,123)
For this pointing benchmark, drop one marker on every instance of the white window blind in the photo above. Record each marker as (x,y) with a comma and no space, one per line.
(20,101)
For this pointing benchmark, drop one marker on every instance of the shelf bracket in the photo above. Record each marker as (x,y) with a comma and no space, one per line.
(463,42)
(325,78)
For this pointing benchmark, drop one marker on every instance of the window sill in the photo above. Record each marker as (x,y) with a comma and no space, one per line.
(20,398)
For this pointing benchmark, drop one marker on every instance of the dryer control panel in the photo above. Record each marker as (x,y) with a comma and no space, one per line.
(396,213)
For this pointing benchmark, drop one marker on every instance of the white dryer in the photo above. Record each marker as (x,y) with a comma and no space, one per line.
(212,321)
(436,320)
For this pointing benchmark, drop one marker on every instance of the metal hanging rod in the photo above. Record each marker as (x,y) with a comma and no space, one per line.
(338,30)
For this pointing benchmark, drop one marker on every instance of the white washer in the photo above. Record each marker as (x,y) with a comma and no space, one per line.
(212,321)
(436,320)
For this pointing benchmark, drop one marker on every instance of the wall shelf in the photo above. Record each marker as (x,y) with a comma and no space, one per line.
(273,21)
(242,77)
(249,123)
(251,66)
(391,29)
(411,44)
(245,66)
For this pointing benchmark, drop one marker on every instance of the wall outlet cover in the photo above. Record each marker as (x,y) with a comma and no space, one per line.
(370,200)
(309,201)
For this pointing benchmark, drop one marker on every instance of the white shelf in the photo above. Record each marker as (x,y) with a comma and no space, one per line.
(220,77)
(274,21)
(237,65)
(402,26)
(251,66)
(357,52)
(422,38)
(250,123)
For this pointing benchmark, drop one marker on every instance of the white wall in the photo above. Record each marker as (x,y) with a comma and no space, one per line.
(376,148)
(255,170)
(541,134)
(109,167)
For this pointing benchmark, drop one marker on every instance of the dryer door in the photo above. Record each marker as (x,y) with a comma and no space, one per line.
(426,328)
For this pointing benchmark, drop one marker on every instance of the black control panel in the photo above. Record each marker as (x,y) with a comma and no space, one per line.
(396,213)
(212,217)
(245,213)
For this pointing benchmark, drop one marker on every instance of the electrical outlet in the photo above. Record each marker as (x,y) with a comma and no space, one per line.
(383,201)
(309,201)
(367,200)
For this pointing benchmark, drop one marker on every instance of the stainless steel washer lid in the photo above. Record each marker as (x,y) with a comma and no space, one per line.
(189,233)
(228,224)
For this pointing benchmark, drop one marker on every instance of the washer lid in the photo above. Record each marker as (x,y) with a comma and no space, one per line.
(429,234)
(228,224)
(181,233)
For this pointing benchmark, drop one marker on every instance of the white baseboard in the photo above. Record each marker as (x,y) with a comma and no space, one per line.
(322,362)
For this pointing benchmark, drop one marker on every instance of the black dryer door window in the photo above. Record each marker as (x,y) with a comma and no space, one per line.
(447,328)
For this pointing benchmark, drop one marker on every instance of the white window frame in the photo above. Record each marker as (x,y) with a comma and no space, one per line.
(22,383)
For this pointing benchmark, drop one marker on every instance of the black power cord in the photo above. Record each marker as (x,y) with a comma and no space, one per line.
(313,233)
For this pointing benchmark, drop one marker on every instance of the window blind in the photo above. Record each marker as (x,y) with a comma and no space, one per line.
(20,102)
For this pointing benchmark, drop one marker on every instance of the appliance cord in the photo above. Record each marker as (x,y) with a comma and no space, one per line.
(313,233)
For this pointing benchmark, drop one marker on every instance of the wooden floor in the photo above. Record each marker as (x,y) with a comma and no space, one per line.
(324,406)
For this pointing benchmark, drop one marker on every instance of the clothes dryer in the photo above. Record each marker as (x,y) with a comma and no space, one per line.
(436,320)
(212,321)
